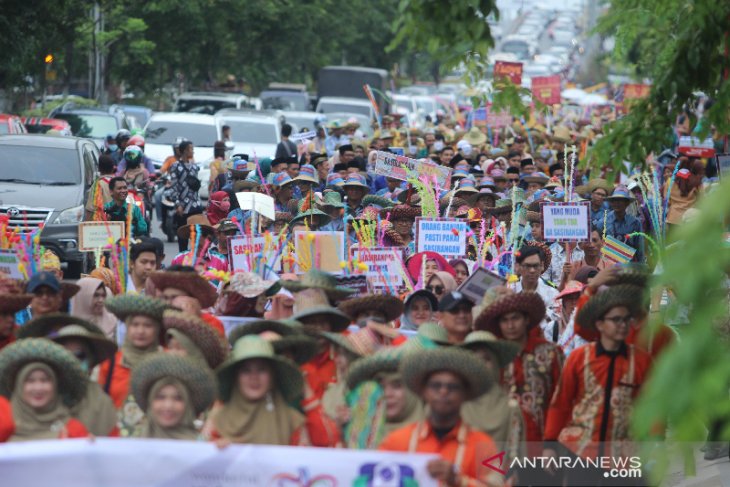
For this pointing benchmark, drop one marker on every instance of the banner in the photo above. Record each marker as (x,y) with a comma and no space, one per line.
(636,91)
(402,167)
(243,250)
(566,222)
(385,268)
(320,250)
(96,235)
(546,89)
(694,147)
(445,236)
(127,462)
(9,265)
(509,70)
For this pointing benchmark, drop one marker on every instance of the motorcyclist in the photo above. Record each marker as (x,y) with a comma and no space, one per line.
(164,169)
(122,139)
(137,141)
(137,177)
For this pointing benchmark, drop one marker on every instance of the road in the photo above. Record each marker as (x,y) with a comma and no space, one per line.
(171,249)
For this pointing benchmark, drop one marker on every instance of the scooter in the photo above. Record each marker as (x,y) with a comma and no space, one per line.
(168,209)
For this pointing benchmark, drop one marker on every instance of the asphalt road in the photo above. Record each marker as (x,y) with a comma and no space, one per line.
(171,249)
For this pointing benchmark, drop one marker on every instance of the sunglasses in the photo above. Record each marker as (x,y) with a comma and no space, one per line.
(435,289)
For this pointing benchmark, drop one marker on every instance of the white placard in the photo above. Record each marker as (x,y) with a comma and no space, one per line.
(95,235)
(445,236)
(301,137)
(566,222)
(384,267)
(260,203)
(242,249)
(9,265)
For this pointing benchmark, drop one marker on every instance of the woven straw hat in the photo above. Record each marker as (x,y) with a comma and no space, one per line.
(526,302)
(192,283)
(288,378)
(504,350)
(596,307)
(434,332)
(126,305)
(287,337)
(390,305)
(375,200)
(251,285)
(42,326)
(101,347)
(401,211)
(545,249)
(317,279)
(12,296)
(201,382)
(417,367)
(203,230)
(205,337)
(71,378)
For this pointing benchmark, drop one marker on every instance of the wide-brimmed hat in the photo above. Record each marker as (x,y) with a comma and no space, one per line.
(12,296)
(286,336)
(332,199)
(483,193)
(561,134)
(375,200)
(225,226)
(200,381)
(281,179)
(487,182)
(533,217)
(389,305)
(311,214)
(401,211)
(317,279)
(203,230)
(44,325)
(554,183)
(409,197)
(635,275)
(597,306)
(416,368)
(504,350)
(287,377)
(467,187)
(70,377)
(101,347)
(126,305)
(537,177)
(621,193)
(594,184)
(307,174)
(356,180)
(191,282)
(205,337)
(475,137)
(337,319)
(529,303)
(239,186)
(240,168)
(434,332)
(251,285)
(571,288)
(545,250)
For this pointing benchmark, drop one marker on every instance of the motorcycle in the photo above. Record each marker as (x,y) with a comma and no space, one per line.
(168,209)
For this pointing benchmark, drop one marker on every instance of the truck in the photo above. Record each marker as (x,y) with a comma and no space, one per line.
(348,81)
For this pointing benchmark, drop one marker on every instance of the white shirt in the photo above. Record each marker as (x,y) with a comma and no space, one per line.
(548,295)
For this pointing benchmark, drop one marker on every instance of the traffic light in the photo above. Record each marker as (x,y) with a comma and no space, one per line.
(48,59)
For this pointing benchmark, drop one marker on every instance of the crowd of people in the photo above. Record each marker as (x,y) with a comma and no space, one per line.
(547,363)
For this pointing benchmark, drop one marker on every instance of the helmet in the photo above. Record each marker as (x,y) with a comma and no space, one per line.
(132,154)
(137,140)
(123,134)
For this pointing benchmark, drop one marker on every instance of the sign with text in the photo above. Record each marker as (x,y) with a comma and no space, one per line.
(303,137)
(636,91)
(10,265)
(509,70)
(546,89)
(566,222)
(260,203)
(320,250)
(445,236)
(246,253)
(96,235)
(402,167)
(694,147)
(478,283)
(121,462)
(385,267)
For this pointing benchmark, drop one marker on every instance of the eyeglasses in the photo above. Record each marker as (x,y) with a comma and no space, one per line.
(450,387)
(435,289)
(619,320)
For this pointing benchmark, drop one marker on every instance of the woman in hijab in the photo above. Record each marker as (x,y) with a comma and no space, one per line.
(173,391)
(686,188)
(440,284)
(257,388)
(219,205)
(433,262)
(188,335)
(88,304)
(419,308)
(462,270)
(43,380)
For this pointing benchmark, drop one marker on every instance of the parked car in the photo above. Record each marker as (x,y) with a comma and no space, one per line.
(285,96)
(140,113)
(300,120)
(348,81)
(11,124)
(331,104)
(45,180)
(36,125)
(164,127)
(253,133)
(210,102)
(92,122)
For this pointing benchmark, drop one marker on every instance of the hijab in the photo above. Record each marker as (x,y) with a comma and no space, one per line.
(185,430)
(490,413)
(405,321)
(412,411)
(217,210)
(81,305)
(269,421)
(447,280)
(132,355)
(37,424)
(193,350)
(96,410)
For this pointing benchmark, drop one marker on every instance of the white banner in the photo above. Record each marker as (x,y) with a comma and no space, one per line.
(445,236)
(125,462)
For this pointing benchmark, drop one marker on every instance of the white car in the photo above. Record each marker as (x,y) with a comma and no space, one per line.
(252,133)
(333,104)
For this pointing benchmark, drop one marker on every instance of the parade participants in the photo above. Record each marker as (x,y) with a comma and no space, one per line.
(455,316)
(445,378)
(172,391)
(598,190)
(333,206)
(560,269)
(42,380)
(116,209)
(308,217)
(322,167)
(391,189)
(484,200)
(48,296)
(184,187)
(286,336)
(532,376)
(12,300)
(462,270)
(403,217)
(383,308)
(590,411)
(532,260)
(142,316)
(493,412)
(183,281)
(282,185)
(88,304)
(422,272)
(219,205)
(99,193)
(188,335)
(419,308)
(440,284)
(619,224)
(257,388)
(356,188)
(562,330)
(198,254)
(142,263)
(592,255)
(685,190)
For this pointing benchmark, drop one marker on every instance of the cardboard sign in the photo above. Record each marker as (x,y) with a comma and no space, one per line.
(445,236)
(260,203)
(478,283)
(566,222)
(9,265)
(242,250)
(723,165)
(635,91)
(617,251)
(694,147)
(96,235)
(323,250)
(402,167)
(302,136)
(384,267)
(509,70)
(546,89)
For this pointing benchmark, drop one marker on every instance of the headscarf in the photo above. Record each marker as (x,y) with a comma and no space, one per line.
(132,355)
(107,277)
(185,430)
(37,424)
(96,410)
(694,175)
(193,350)
(269,421)
(415,264)
(215,211)
(81,305)
(412,411)
(490,413)
(405,321)
(447,279)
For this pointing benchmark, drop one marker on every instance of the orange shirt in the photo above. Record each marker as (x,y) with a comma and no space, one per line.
(320,372)
(471,447)
(119,389)
(7,425)
(168,164)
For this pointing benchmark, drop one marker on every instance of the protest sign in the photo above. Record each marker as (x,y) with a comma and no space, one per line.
(478,283)
(498,120)
(445,236)
(385,267)
(121,462)
(246,253)
(723,165)
(302,136)
(546,89)
(509,70)
(10,265)
(617,251)
(260,203)
(566,222)
(402,167)
(636,91)
(694,147)
(320,250)
(96,235)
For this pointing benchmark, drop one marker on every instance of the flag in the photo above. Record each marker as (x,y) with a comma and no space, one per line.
(617,251)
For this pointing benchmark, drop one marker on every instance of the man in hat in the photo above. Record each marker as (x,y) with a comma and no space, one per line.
(455,316)
(238,170)
(321,164)
(391,189)
(116,209)
(333,206)
(224,230)
(620,225)
(283,186)
(48,296)
(356,188)
(599,190)
(142,263)
(445,378)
